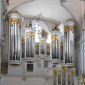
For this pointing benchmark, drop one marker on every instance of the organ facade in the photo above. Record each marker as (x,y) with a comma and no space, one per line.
(55,59)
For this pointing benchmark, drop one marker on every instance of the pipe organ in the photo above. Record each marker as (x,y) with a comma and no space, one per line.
(69,41)
(29,41)
(55,43)
(59,53)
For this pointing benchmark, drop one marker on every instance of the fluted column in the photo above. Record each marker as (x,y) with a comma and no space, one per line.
(29,41)
(55,77)
(69,41)
(55,45)
(15,35)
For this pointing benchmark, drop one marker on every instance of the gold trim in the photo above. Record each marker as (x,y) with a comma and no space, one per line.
(42,42)
(23,40)
(64,68)
(55,63)
(59,76)
(72,72)
(48,47)
(37,46)
(68,76)
(54,72)
(61,44)
(55,36)
(43,33)
(30,61)
(70,20)
(70,66)
(15,19)
(67,27)
(83,76)
(15,12)
(15,64)
(29,34)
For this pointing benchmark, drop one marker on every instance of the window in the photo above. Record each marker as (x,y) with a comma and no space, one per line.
(37,33)
(29,67)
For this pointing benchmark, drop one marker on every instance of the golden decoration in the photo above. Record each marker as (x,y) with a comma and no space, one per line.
(72,72)
(68,76)
(42,42)
(48,47)
(70,20)
(43,33)
(67,27)
(15,19)
(23,40)
(15,12)
(30,61)
(37,46)
(54,72)
(55,63)
(83,76)
(70,66)
(59,76)
(61,44)
(55,36)
(29,34)
(15,64)
(64,68)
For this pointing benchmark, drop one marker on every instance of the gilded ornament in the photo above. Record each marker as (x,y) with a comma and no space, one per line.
(67,27)
(68,76)
(30,61)
(43,33)
(29,34)
(72,72)
(64,68)
(15,12)
(55,63)
(70,20)
(23,40)
(48,47)
(55,36)
(42,42)
(61,44)
(59,76)
(54,72)
(15,19)
(37,46)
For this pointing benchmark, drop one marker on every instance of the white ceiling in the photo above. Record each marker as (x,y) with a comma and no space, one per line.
(50,9)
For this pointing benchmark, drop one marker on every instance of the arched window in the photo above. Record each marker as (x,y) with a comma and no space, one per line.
(38,29)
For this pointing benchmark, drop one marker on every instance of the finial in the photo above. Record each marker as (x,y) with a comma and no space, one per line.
(27,26)
(30,25)
(43,33)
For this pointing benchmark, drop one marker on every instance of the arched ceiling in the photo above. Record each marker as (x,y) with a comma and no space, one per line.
(57,10)
(49,9)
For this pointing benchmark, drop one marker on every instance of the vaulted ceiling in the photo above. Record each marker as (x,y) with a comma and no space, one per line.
(56,10)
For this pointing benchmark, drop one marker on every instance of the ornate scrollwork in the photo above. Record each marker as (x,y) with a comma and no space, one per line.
(59,76)
(29,34)
(37,46)
(72,72)
(54,72)
(42,42)
(64,68)
(44,33)
(48,47)
(55,36)
(67,27)
(15,19)
(23,40)
(68,76)
(70,20)
(61,44)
